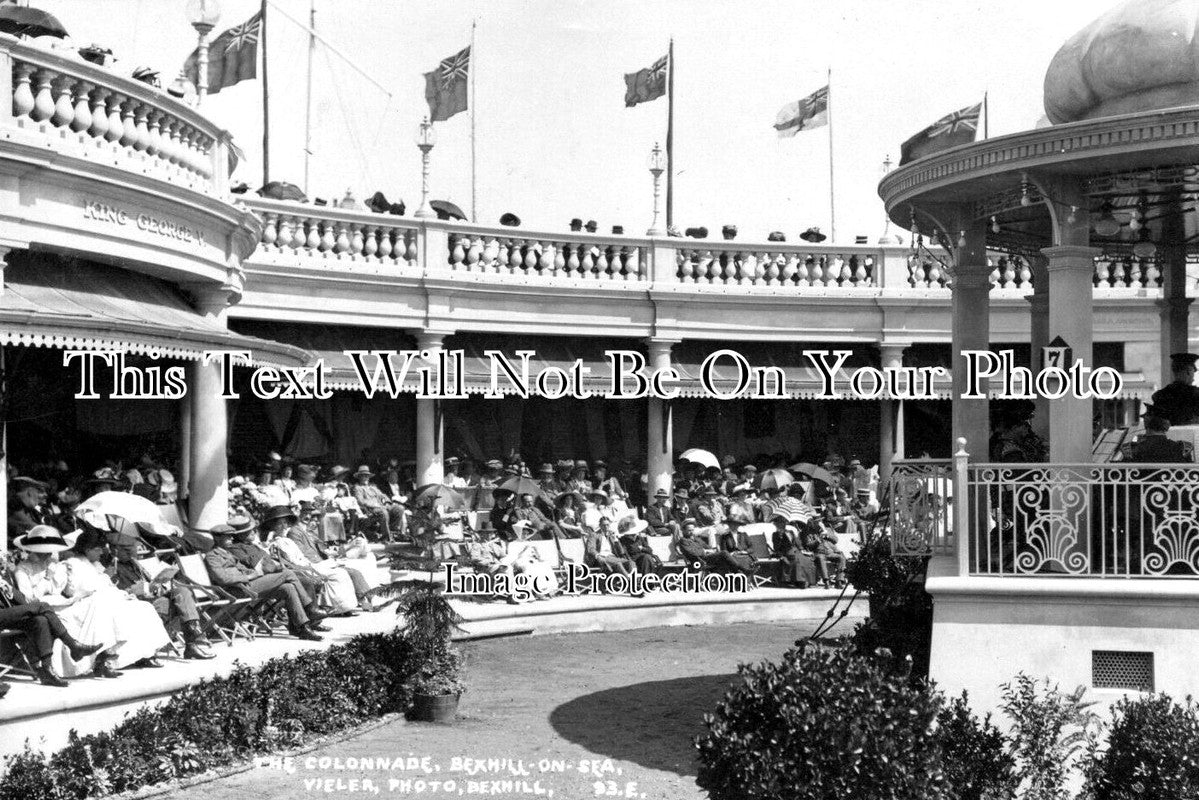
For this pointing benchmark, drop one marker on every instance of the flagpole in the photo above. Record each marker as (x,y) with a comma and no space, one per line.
(473,65)
(986,117)
(308,96)
(266,106)
(670,136)
(832,203)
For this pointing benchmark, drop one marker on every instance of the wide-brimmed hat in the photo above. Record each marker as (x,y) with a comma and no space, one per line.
(239,524)
(494,463)
(337,471)
(306,471)
(509,219)
(42,539)
(813,234)
(546,469)
(275,513)
(662,493)
(363,470)
(580,464)
(23,482)
(630,525)
(597,493)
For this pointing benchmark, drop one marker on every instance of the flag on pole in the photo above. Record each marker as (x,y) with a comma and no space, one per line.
(646,84)
(960,127)
(803,115)
(445,87)
(232,56)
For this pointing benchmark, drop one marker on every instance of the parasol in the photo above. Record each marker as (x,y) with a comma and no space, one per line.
(280,190)
(438,494)
(518,485)
(775,479)
(447,210)
(702,457)
(815,473)
(32,22)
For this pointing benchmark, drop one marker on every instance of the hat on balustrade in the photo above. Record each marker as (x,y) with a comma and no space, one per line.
(377,203)
(813,234)
(576,224)
(397,209)
(42,539)
(510,220)
(729,232)
(146,75)
(618,230)
(241,187)
(697,233)
(95,53)
(776,236)
(591,226)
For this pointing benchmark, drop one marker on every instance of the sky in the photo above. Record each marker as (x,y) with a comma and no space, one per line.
(553,138)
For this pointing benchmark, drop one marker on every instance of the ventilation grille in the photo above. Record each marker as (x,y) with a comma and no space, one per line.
(1119,669)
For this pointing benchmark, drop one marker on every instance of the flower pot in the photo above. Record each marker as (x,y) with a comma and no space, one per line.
(434,707)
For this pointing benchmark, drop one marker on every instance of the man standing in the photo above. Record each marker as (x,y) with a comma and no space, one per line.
(227,572)
(1179,401)
(170,598)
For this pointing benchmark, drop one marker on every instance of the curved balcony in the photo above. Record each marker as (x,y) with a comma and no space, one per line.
(408,273)
(113,169)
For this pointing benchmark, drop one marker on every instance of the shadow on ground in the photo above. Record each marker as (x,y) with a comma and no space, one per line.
(651,724)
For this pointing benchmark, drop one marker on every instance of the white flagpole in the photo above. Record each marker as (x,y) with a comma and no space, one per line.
(308,91)
(832,203)
(472,65)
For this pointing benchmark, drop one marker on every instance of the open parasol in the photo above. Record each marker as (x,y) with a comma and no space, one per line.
(815,473)
(32,22)
(518,485)
(775,479)
(447,210)
(438,494)
(280,190)
(702,457)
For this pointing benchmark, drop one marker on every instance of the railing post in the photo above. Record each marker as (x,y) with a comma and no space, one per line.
(961,507)
(663,264)
(892,266)
(6,111)
(433,248)
(220,164)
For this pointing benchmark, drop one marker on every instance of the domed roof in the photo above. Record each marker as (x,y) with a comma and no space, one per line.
(1142,55)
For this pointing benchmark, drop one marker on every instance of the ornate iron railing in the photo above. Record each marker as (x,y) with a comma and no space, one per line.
(1084,520)
(921,518)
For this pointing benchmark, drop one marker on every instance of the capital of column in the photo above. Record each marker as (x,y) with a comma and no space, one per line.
(1038,301)
(211,301)
(1069,257)
(659,350)
(891,353)
(431,340)
(1174,303)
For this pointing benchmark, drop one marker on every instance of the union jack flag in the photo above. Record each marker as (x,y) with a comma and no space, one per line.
(646,84)
(446,86)
(244,35)
(232,57)
(965,119)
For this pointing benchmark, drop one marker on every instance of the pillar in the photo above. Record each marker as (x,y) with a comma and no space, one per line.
(208,493)
(971,331)
(659,439)
(1071,269)
(1174,306)
(1038,311)
(183,479)
(430,426)
(4,251)
(890,357)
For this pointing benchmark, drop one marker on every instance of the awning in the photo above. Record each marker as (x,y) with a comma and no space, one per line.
(94,307)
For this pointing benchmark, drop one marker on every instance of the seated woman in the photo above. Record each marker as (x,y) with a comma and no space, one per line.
(568,513)
(93,608)
(631,535)
(336,594)
(800,567)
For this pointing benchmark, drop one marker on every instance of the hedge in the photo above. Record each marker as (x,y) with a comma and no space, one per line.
(218,722)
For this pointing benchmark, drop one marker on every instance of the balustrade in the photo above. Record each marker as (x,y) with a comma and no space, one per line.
(775,266)
(338,236)
(486,252)
(88,111)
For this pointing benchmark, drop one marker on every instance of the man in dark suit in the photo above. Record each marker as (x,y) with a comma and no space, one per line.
(680,506)
(660,518)
(304,535)
(227,571)
(1179,401)
(170,598)
(1155,448)
(250,553)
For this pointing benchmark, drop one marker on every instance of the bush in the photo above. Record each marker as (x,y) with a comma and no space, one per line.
(974,755)
(901,612)
(1152,752)
(217,722)
(1050,734)
(822,724)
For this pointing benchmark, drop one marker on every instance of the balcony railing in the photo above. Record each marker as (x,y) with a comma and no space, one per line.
(921,514)
(584,257)
(76,108)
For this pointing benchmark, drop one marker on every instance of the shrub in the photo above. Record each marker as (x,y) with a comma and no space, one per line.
(1152,752)
(822,724)
(901,612)
(1050,734)
(217,722)
(974,755)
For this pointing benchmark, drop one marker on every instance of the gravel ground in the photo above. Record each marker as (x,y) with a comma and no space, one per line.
(570,716)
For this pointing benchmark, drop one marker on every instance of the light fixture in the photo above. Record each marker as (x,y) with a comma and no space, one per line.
(203,16)
(994,225)
(203,13)
(1144,248)
(1072,217)
(657,165)
(962,239)
(1107,224)
(1025,200)
(426,137)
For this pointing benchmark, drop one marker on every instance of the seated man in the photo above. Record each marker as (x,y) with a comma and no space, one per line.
(376,507)
(801,568)
(172,599)
(709,512)
(540,526)
(41,627)
(503,515)
(1156,448)
(659,517)
(630,533)
(31,497)
(225,570)
(315,551)
(614,560)
(822,544)
(248,550)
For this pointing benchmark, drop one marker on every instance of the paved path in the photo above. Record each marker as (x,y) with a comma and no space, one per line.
(626,703)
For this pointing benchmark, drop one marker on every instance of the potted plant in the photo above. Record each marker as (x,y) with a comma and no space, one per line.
(429,622)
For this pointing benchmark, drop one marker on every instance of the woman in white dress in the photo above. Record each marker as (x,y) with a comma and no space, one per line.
(337,594)
(94,609)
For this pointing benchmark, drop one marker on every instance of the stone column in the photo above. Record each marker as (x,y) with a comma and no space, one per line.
(971,331)
(430,427)
(890,422)
(4,251)
(208,492)
(1038,310)
(660,439)
(183,479)
(1174,307)
(1071,269)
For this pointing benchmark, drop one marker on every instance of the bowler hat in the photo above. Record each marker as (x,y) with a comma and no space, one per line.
(41,539)
(729,231)
(576,224)
(510,220)
(776,236)
(697,233)
(618,230)
(813,234)
(591,226)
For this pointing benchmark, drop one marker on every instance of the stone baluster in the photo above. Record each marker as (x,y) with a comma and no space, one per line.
(705,263)
(299,236)
(601,263)
(141,127)
(387,250)
(312,241)
(64,109)
(560,259)
(128,123)
(23,101)
(532,256)
(748,271)
(154,124)
(515,257)
(1137,275)
(457,252)
(1009,274)
(686,270)
(410,246)
(642,263)
(328,240)
(1153,275)
(790,270)
(1025,273)
(284,236)
(341,241)
(861,275)
(1103,275)
(546,262)
(43,99)
(269,232)
(934,274)
(572,260)
(816,270)
(996,277)
(588,261)
(370,241)
(176,147)
(770,274)
(81,118)
(116,127)
(474,253)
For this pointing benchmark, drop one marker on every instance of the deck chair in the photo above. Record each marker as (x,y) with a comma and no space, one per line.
(222,613)
(13,658)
